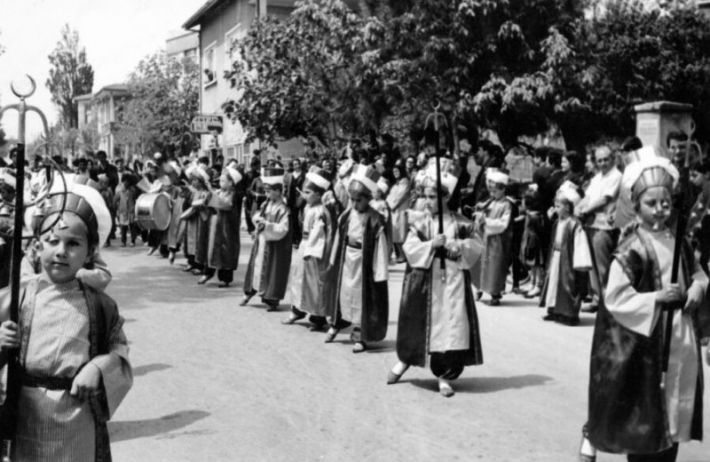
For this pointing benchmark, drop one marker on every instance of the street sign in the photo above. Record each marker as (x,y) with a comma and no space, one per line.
(206,124)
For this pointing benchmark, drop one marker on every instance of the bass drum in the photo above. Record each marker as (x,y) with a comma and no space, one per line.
(153,211)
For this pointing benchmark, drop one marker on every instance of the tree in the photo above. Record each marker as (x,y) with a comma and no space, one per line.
(628,55)
(164,99)
(304,76)
(70,76)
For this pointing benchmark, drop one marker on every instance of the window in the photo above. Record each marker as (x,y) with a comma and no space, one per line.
(231,54)
(209,69)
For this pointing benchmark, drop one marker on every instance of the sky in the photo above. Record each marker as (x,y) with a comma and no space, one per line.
(117,34)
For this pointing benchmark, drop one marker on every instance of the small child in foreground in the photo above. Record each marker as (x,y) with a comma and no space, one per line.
(74,354)
(635,408)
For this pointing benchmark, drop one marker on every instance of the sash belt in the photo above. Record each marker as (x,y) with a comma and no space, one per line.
(50,383)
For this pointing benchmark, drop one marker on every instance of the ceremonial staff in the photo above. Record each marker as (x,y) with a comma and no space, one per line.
(681,224)
(435,117)
(23,89)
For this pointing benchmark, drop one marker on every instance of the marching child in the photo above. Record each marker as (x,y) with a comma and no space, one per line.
(310,268)
(438,324)
(495,224)
(223,253)
(73,352)
(270,261)
(359,264)
(634,407)
(196,219)
(178,194)
(569,255)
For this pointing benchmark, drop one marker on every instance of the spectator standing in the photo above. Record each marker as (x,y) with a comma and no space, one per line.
(598,209)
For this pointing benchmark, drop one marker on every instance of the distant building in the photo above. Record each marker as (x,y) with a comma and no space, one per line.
(184,44)
(102,108)
(704,6)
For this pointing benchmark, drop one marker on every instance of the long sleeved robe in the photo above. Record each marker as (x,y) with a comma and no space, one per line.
(360,268)
(64,327)
(438,314)
(270,261)
(197,225)
(497,232)
(223,251)
(630,411)
(569,254)
(309,269)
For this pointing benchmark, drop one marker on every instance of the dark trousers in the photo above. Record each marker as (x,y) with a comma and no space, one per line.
(247,215)
(448,365)
(669,455)
(191,262)
(603,246)
(124,233)
(319,321)
(223,275)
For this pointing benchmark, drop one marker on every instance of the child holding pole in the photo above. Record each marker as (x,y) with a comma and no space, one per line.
(73,352)
(438,324)
(635,406)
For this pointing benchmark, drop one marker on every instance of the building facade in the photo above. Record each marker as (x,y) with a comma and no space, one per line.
(219,23)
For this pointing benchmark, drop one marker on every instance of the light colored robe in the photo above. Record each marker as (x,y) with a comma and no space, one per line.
(351,281)
(308,277)
(450,326)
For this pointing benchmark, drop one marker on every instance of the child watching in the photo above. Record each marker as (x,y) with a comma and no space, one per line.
(125,205)
(73,352)
(495,225)
(532,250)
(569,255)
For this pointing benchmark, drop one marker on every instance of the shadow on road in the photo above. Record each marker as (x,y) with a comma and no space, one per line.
(381,347)
(487,384)
(165,284)
(148,368)
(122,431)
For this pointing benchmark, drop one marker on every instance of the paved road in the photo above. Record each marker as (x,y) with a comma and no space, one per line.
(220,382)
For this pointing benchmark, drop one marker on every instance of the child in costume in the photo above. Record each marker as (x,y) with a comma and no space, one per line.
(635,408)
(72,349)
(270,261)
(569,255)
(178,194)
(360,259)
(309,270)
(495,224)
(438,323)
(223,252)
(196,219)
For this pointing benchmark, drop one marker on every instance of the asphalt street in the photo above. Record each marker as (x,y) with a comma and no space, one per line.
(215,381)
